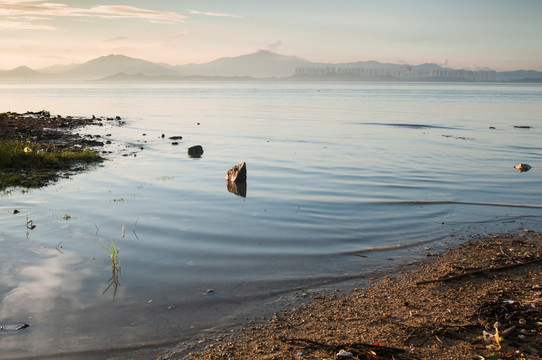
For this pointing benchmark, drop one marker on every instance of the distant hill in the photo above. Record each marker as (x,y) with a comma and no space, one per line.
(112,64)
(261,64)
(56,69)
(155,78)
(21,73)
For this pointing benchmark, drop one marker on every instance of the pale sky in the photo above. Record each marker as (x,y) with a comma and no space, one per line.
(498,34)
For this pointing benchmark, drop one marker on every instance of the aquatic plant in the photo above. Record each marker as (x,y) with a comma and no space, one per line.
(114,254)
(115,268)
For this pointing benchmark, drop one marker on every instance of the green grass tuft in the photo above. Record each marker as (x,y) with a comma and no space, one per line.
(27,166)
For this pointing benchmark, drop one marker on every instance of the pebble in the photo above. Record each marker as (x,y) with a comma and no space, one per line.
(343,354)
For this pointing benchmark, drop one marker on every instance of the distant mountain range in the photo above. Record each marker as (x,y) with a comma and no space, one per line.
(261,65)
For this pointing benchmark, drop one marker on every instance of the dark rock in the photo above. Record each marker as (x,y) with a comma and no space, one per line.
(174,143)
(195,151)
(15,211)
(175,137)
(492,127)
(521,127)
(237,174)
(118,118)
(522,167)
(163,136)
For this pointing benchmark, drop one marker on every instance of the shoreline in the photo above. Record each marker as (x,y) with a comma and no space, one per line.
(439,308)
(41,148)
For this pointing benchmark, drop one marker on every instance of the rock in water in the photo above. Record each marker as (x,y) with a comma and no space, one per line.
(238,173)
(195,151)
(522,167)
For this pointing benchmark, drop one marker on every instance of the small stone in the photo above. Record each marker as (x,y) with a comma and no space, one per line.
(210,291)
(343,354)
(15,211)
(174,143)
(175,138)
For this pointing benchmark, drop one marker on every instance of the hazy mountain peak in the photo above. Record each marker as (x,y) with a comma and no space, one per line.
(113,64)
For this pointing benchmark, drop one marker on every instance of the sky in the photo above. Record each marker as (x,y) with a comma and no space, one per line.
(470,34)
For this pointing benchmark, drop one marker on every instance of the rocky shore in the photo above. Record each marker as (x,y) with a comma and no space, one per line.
(481,300)
(38,148)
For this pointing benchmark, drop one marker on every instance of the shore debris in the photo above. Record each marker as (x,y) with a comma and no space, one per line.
(522,167)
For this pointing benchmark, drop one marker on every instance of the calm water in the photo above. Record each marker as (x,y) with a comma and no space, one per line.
(335,170)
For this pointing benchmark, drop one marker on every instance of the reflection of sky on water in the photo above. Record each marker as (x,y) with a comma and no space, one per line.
(40,288)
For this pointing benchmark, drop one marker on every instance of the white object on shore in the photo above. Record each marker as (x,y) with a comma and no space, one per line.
(343,354)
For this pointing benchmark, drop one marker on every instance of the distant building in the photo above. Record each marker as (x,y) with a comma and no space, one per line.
(403,72)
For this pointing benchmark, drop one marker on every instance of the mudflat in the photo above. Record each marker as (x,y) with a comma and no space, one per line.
(480,300)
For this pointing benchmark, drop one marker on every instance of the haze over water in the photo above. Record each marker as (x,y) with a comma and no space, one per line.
(335,170)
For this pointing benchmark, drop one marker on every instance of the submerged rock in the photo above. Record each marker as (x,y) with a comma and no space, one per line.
(175,137)
(522,167)
(237,174)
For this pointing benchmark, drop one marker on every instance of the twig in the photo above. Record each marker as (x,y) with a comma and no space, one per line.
(478,271)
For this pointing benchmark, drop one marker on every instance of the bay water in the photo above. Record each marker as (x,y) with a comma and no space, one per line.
(344,179)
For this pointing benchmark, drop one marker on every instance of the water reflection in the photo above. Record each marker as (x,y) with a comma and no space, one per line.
(113,281)
(41,286)
(239,189)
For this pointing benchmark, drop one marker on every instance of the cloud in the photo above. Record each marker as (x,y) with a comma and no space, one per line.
(274,46)
(196,12)
(38,8)
(123,11)
(23,25)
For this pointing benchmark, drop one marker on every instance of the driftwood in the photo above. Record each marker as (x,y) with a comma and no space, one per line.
(478,271)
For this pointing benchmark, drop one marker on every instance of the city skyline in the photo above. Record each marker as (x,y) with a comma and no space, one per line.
(499,35)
